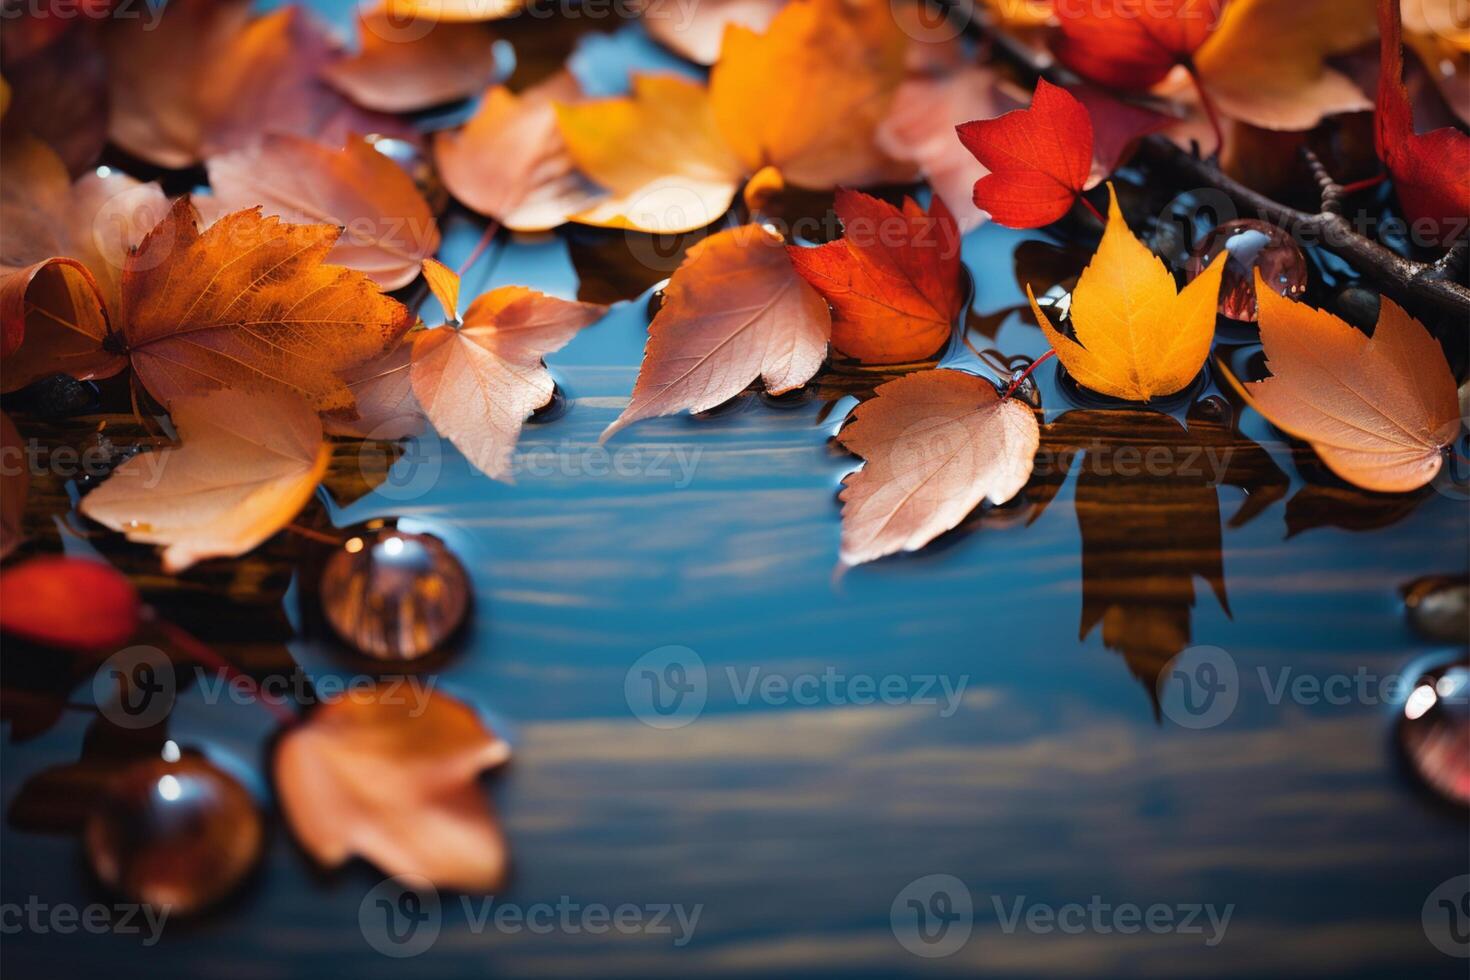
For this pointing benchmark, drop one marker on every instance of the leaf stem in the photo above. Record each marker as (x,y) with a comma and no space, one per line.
(1027,373)
(491,230)
(313,534)
(196,648)
(1209,106)
(1089,206)
(1362,185)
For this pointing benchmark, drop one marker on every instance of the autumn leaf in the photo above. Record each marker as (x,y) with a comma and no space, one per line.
(393,779)
(1132,44)
(383,394)
(1117,126)
(510,163)
(807,96)
(936,443)
(1267,64)
(62,249)
(479,381)
(387,227)
(451,11)
(893,279)
(206,79)
(1040,158)
(15,484)
(249,304)
(659,154)
(246,465)
(59,95)
(921,128)
(735,310)
(402,66)
(696,31)
(1378,411)
(1138,337)
(72,603)
(1431,173)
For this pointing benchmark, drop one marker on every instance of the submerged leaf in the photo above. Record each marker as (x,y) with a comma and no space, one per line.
(73,603)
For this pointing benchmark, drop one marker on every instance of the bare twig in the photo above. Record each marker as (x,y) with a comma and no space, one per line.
(1434,287)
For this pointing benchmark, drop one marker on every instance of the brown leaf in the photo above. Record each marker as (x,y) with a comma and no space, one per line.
(735,310)
(403,67)
(247,464)
(937,443)
(387,226)
(386,407)
(392,779)
(249,304)
(207,79)
(479,382)
(510,163)
(59,94)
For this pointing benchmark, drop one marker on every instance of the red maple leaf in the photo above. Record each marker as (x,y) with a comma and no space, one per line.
(1039,158)
(1132,44)
(1430,172)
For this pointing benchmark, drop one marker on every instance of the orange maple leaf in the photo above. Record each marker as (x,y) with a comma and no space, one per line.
(249,304)
(1138,336)
(383,777)
(735,310)
(936,443)
(1379,411)
(893,279)
(479,380)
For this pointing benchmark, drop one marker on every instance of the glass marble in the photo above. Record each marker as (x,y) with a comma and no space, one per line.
(174,831)
(1251,245)
(1434,730)
(394,595)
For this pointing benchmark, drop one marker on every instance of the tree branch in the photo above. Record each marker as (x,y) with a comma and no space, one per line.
(1435,287)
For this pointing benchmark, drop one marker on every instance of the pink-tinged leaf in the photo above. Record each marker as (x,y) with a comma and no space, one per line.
(478,383)
(936,443)
(735,310)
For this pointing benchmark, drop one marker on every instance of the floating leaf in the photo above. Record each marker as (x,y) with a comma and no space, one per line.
(1039,158)
(250,304)
(510,163)
(403,67)
(1379,412)
(247,464)
(1132,44)
(893,279)
(1431,173)
(387,227)
(478,382)
(73,603)
(391,776)
(936,443)
(1138,336)
(735,310)
(659,154)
